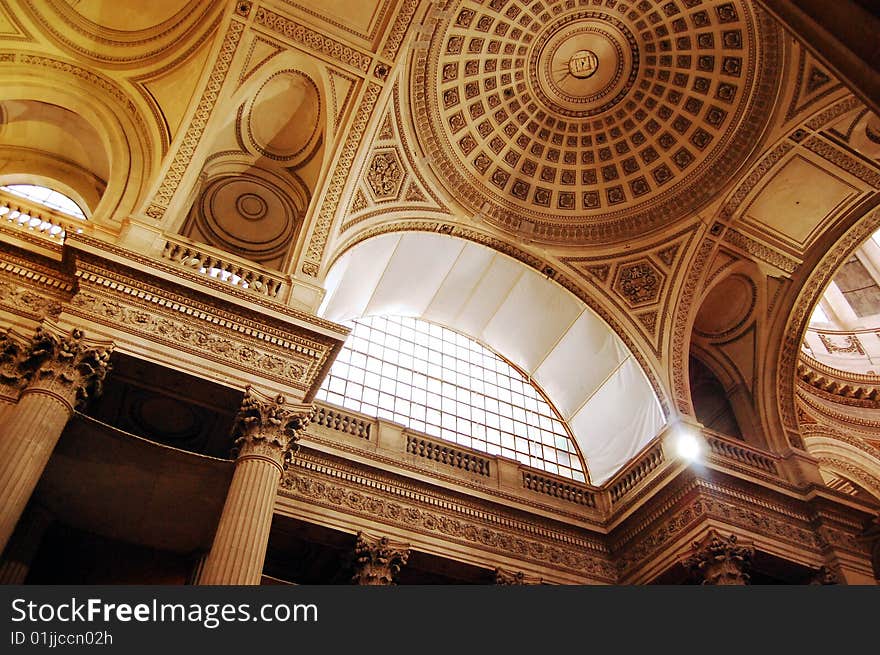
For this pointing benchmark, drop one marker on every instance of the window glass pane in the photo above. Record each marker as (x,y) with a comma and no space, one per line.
(439,382)
(46,197)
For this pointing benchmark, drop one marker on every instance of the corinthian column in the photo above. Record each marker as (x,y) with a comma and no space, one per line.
(719,560)
(265,429)
(62,372)
(378,560)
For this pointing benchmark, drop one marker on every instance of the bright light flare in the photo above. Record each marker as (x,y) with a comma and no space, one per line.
(688,445)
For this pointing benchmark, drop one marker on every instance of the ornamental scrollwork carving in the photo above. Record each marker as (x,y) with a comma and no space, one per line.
(69,366)
(267,427)
(27,301)
(378,560)
(385,175)
(720,560)
(191,335)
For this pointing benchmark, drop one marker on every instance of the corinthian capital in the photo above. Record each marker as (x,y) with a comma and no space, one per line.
(378,560)
(268,427)
(824,576)
(69,366)
(11,353)
(720,560)
(505,577)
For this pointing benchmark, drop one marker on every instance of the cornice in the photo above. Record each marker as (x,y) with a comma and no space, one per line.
(95,253)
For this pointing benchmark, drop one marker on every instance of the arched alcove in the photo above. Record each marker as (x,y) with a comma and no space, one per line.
(709,399)
(844,327)
(51,146)
(267,157)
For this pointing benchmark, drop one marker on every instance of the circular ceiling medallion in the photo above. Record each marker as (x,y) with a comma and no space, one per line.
(247,214)
(564,68)
(583,64)
(583,121)
(251,206)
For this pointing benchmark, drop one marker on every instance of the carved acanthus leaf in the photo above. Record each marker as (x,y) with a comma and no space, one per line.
(378,560)
(720,560)
(68,364)
(505,577)
(11,353)
(268,427)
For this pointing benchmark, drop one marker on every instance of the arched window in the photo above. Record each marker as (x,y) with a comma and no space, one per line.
(46,197)
(439,382)
(843,330)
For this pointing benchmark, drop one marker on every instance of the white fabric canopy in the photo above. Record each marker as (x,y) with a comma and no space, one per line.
(580,363)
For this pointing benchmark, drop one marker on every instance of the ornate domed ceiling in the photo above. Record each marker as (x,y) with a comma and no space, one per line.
(580,121)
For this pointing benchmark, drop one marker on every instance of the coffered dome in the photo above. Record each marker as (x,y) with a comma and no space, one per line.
(580,121)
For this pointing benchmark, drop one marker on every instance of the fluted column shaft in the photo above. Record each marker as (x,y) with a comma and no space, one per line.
(266,429)
(27,439)
(62,372)
(239,550)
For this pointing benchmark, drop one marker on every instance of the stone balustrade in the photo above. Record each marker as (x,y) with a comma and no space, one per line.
(26,216)
(337,425)
(226,268)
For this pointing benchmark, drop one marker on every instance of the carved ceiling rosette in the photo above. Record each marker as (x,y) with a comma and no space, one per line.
(574,122)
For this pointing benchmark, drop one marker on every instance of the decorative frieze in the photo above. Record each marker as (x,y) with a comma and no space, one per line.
(487,530)
(378,560)
(650,537)
(28,302)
